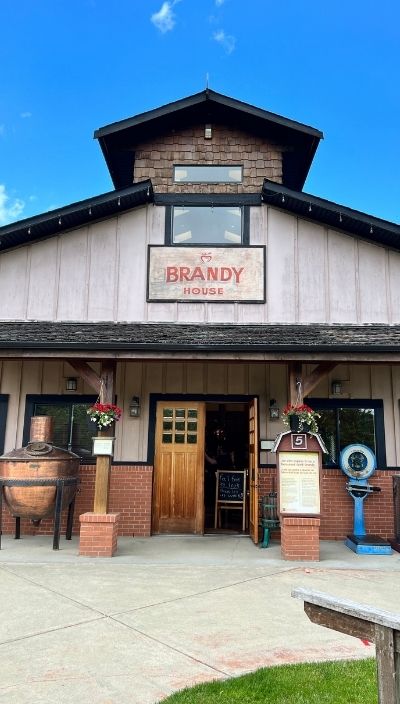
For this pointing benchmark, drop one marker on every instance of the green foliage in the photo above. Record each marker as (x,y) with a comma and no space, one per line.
(351,682)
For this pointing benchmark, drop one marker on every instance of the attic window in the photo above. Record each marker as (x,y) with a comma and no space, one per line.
(207,174)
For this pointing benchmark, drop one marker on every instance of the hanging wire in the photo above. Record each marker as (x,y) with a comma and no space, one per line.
(299,392)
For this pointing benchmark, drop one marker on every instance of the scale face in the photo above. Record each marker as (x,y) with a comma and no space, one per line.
(357,461)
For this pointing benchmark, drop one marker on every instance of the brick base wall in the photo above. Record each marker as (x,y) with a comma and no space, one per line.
(130,496)
(337,507)
(99,534)
(300,538)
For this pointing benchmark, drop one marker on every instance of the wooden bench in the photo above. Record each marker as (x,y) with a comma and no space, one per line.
(366,622)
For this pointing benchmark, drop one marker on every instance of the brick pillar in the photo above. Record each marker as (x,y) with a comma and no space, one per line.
(98,535)
(300,538)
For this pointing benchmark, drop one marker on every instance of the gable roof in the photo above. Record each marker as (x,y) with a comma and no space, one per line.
(326,212)
(118,139)
(83,212)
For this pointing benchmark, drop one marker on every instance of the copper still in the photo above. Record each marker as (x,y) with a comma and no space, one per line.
(40,459)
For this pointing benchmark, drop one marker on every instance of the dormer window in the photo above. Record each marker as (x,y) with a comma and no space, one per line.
(184,173)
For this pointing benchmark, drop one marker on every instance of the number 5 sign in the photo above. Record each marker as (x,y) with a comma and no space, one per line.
(299,441)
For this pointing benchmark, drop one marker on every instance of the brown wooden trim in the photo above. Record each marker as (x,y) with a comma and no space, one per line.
(319,373)
(87,373)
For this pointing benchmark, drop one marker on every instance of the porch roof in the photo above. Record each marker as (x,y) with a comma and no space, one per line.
(199,338)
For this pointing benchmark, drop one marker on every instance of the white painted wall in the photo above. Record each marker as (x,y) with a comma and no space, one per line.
(98,272)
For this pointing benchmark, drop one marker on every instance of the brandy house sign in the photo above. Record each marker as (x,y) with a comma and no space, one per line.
(220,274)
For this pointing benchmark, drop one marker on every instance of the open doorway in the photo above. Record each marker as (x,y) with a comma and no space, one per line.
(226,448)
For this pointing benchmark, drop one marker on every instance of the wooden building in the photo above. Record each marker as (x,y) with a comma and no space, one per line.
(210,285)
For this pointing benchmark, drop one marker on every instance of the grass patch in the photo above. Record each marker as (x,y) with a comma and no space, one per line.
(344,682)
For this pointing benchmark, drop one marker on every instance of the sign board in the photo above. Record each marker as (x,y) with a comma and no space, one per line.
(213,274)
(103,446)
(299,491)
(230,492)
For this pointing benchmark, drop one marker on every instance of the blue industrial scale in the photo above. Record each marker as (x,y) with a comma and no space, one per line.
(358,462)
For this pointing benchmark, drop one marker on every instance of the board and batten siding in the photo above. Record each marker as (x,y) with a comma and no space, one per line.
(98,272)
(268,381)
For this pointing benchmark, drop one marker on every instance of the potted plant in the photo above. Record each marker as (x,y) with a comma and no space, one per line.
(300,418)
(104,414)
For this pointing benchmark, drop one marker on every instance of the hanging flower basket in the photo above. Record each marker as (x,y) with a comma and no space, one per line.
(300,418)
(104,414)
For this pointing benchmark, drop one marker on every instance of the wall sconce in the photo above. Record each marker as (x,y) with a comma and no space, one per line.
(207,132)
(336,388)
(71,384)
(274,411)
(134,407)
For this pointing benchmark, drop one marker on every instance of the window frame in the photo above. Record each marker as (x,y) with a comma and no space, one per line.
(209,166)
(3,420)
(169,214)
(325,404)
(54,399)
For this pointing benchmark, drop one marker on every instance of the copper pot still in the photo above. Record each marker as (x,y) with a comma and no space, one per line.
(40,459)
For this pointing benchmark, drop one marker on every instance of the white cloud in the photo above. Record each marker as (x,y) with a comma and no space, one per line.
(10,208)
(24,115)
(164,19)
(2,130)
(227,41)
(219,2)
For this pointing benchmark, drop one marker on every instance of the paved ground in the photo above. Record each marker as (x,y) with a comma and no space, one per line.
(166,613)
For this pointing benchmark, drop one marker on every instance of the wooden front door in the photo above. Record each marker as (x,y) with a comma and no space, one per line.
(178,505)
(253,470)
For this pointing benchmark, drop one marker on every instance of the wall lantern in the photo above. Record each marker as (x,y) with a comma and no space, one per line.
(274,411)
(207,132)
(71,384)
(134,407)
(336,388)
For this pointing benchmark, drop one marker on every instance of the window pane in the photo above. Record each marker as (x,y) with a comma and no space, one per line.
(61,414)
(206,225)
(327,429)
(357,425)
(73,429)
(207,174)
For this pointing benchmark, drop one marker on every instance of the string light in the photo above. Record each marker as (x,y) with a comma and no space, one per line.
(29,230)
(59,220)
(283,198)
(90,210)
(371,230)
(119,201)
(309,208)
(340,217)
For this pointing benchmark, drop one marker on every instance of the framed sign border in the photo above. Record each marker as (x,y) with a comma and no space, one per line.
(206,300)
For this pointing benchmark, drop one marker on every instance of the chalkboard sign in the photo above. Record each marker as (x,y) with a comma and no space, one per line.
(230,485)
(230,493)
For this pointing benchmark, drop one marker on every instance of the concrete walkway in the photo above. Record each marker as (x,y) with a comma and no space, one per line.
(166,613)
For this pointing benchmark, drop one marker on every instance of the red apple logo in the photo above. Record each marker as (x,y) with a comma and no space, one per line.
(206,257)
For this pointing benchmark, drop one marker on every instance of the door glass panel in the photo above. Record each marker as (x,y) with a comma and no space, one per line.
(167,425)
(179,439)
(168,413)
(167,438)
(180,425)
(192,425)
(180,413)
(192,413)
(192,439)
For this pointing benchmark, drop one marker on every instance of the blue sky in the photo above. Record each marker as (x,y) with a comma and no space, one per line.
(71,66)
